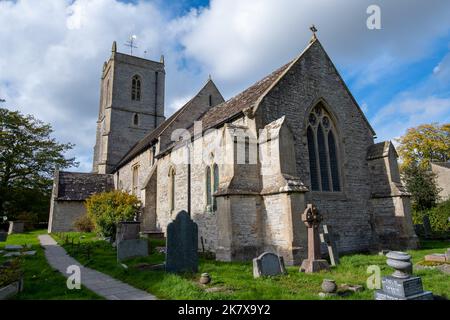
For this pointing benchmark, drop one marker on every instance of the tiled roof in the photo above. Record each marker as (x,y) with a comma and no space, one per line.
(77,186)
(240,102)
(376,150)
(151,137)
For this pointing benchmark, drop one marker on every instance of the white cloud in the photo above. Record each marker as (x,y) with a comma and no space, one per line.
(405,112)
(53,51)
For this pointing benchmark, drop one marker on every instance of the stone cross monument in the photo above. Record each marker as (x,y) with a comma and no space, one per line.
(312,218)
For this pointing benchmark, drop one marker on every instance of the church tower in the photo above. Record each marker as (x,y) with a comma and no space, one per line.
(131,105)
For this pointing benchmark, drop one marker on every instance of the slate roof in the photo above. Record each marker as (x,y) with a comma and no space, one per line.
(77,186)
(151,137)
(240,102)
(376,150)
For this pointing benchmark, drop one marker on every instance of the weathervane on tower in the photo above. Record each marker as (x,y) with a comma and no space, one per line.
(130,43)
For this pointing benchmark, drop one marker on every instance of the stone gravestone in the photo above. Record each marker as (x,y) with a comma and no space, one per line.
(328,238)
(182,244)
(268,264)
(312,218)
(3,236)
(401,285)
(127,230)
(426,226)
(16,227)
(128,243)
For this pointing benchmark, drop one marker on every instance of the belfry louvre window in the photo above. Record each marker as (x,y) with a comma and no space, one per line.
(322,150)
(136,88)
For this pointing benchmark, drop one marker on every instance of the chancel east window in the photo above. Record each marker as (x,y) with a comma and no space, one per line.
(136,88)
(323,151)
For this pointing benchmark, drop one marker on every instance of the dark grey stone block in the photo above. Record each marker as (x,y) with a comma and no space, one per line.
(182,244)
(3,236)
(381,295)
(268,264)
(402,287)
(132,248)
(128,230)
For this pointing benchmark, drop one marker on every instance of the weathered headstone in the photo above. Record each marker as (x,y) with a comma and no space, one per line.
(128,243)
(312,218)
(132,248)
(401,285)
(127,230)
(182,244)
(16,227)
(268,264)
(447,255)
(426,226)
(328,238)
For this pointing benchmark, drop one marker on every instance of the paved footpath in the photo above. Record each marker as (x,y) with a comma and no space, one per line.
(98,282)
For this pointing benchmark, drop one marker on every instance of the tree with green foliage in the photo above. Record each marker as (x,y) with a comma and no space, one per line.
(109,208)
(422,186)
(28,159)
(424,144)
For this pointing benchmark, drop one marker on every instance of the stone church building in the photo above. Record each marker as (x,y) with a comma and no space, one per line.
(245,168)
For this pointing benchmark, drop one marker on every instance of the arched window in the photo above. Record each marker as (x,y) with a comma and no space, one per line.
(210,100)
(135,180)
(136,119)
(136,88)
(208,186)
(172,189)
(216,184)
(322,150)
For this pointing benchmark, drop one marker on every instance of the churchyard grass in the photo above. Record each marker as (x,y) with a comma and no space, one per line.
(41,281)
(234,280)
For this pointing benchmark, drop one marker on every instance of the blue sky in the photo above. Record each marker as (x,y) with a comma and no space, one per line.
(53,51)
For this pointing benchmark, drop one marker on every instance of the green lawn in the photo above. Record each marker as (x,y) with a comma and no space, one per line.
(40,280)
(235,280)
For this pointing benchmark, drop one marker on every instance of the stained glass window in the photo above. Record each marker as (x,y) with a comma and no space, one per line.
(312,160)
(323,160)
(333,162)
(323,151)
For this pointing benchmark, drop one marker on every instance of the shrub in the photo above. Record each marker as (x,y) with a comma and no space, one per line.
(84,224)
(108,208)
(439,217)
